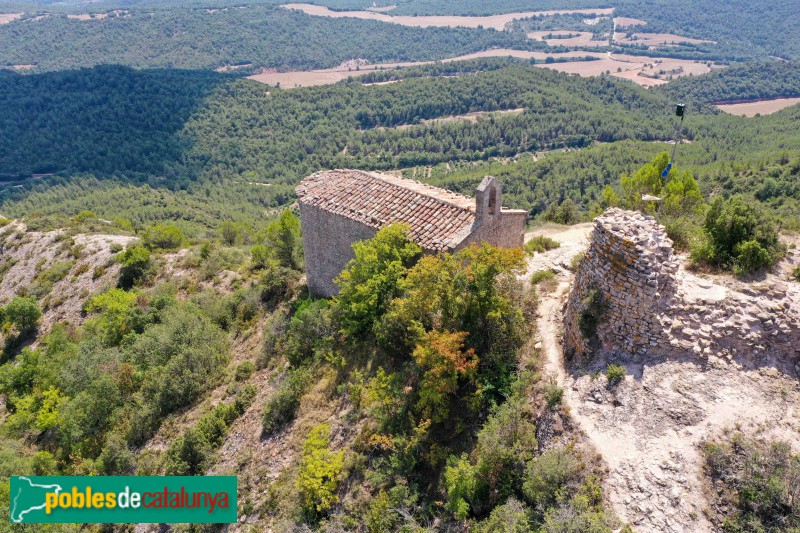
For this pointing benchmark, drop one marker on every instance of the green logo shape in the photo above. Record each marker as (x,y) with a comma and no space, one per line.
(122,499)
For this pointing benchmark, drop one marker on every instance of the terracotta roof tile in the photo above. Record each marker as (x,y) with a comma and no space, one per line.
(438,219)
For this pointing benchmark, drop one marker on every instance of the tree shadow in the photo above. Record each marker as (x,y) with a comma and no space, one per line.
(106,121)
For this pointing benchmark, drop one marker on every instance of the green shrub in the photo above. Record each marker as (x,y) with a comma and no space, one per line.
(685,231)
(21,314)
(57,271)
(277,284)
(541,244)
(593,309)
(281,408)
(796,273)
(122,223)
(553,394)
(117,314)
(542,275)
(550,476)
(244,371)
(740,236)
(505,444)
(183,356)
(188,455)
(310,331)
(511,517)
(750,257)
(615,373)
(44,464)
(380,516)
(43,283)
(372,279)
(116,457)
(578,515)
(234,233)
(81,269)
(319,471)
(282,237)
(83,216)
(260,256)
(575,262)
(136,266)
(162,237)
(567,212)
(761,478)
(462,481)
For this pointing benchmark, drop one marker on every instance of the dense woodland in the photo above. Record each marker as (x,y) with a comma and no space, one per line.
(743,81)
(261,34)
(264,36)
(219,139)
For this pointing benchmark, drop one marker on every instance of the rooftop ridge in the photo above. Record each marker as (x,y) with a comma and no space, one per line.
(467,203)
(436,217)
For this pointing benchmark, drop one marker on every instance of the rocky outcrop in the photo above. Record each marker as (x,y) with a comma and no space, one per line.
(650,306)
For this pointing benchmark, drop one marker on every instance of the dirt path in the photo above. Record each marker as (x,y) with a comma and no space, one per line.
(549,327)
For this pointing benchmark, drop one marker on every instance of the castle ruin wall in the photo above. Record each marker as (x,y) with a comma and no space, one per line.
(652,307)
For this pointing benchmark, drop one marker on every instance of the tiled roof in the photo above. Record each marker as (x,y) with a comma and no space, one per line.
(438,219)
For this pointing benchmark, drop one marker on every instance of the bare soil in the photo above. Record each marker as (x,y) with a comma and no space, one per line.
(5,18)
(468,117)
(28,253)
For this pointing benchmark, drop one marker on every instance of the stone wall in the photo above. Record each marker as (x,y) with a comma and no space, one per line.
(653,307)
(328,246)
(506,230)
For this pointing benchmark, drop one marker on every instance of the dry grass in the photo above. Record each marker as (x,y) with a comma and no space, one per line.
(625,22)
(98,16)
(758,107)
(580,39)
(659,39)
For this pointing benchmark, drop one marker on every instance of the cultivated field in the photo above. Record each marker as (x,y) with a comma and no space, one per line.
(559,38)
(309,78)
(758,107)
(5,18)
(630,67)
(626,22)
(657,39)
(497,22)
(645,71)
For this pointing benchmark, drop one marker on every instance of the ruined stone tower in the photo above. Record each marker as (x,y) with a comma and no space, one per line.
(649,306)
